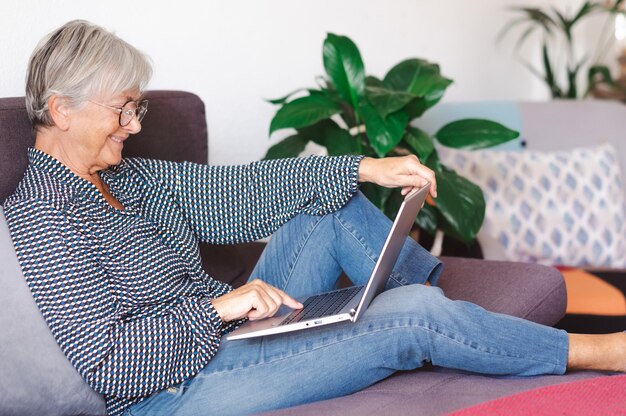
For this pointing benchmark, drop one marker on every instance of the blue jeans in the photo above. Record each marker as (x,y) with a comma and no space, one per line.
(406,326)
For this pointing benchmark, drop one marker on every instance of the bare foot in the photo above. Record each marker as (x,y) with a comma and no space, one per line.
(606,352)
(621,365)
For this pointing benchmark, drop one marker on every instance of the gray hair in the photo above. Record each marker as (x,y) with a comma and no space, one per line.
(80,61)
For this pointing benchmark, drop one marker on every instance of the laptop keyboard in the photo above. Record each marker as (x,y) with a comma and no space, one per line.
(322,305)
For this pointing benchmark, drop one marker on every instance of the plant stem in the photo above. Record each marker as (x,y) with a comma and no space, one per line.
(571,65)
(437,247)
(359,145)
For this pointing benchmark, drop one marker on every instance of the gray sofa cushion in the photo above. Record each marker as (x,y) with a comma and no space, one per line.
(35,377)
(530,291)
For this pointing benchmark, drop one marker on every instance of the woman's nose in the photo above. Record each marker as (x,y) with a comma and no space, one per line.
(134,126)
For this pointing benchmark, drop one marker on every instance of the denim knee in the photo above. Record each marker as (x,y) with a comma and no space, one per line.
(416,301)
(425,306)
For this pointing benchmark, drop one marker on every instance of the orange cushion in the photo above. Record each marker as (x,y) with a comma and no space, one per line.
(589,295)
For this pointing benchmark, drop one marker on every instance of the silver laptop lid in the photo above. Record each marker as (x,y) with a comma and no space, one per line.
(393,245)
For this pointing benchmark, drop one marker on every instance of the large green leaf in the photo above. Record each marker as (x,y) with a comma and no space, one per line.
(428,219)
(366,148)
(340,142)
(384,133)
(292,146)
(303,112)
(405,76)
(461,203)
(420,142)
(344,66)
(387,101)
(328,134)
(315,132)
(416,108)
(436,88)
(283,99)
(418,77)
(474,134)
(394,201)
(372,81)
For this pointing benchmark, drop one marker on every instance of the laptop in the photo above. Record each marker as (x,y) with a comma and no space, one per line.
(346,304)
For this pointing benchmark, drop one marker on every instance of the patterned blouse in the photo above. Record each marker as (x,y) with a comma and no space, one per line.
(123,291)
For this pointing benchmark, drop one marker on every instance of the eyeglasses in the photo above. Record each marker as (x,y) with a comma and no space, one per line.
(129,110)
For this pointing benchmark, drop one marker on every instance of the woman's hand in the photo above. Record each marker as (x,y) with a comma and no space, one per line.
(254,300)
(392,172)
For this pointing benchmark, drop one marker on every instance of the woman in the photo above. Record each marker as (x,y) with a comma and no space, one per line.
(109,249)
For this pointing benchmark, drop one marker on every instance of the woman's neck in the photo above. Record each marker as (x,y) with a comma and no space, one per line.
(46,142)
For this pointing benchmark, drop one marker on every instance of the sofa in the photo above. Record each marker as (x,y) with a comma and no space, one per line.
(37,379)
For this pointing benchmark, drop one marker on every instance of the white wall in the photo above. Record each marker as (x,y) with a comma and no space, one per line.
(234,53)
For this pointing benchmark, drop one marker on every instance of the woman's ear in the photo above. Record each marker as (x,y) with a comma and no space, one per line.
(60,111)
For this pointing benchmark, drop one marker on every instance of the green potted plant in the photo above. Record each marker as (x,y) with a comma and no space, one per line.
(561,60)
(350,112)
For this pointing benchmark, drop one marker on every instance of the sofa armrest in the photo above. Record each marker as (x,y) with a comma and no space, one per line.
(525,290)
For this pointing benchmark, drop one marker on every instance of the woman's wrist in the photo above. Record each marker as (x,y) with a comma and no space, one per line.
(219,310)
(365,168)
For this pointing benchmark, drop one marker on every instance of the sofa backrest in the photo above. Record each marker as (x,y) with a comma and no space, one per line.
(565,124)
(174,129)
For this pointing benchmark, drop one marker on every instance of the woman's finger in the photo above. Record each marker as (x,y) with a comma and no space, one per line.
(273,298)
(428,175)
(291,302)
(281,298)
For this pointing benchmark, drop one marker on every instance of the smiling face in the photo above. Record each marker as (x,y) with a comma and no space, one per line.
(97,133)
(88,137)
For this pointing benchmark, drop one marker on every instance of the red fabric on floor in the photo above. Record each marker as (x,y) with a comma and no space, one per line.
(596,396)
